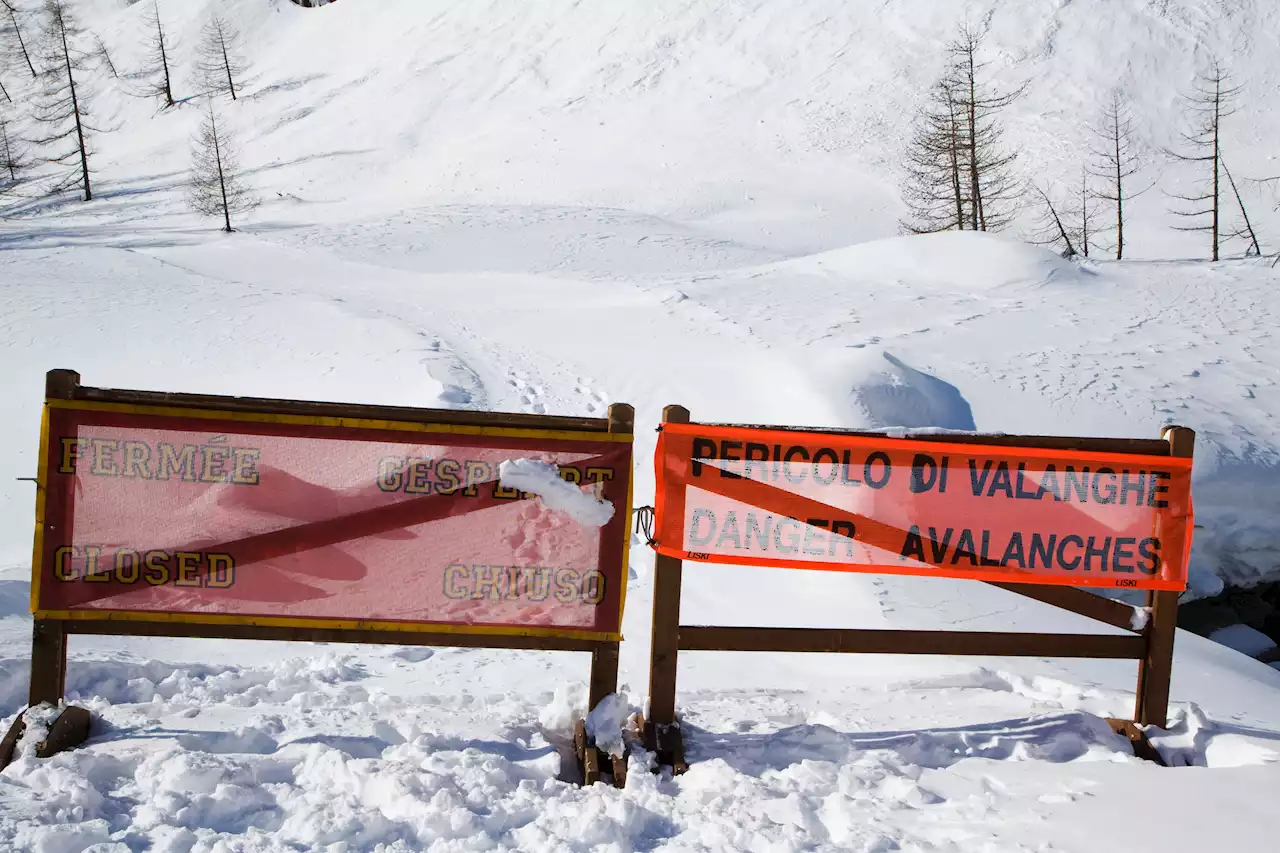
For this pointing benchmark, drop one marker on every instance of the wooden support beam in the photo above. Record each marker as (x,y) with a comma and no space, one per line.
(1142,747)
(267,405)
(10,741)
(1155,671)
(48,661)
(665,642)
(604,657)
(137,628)
(604,673)
(68,731)
(667,743)
(891,642)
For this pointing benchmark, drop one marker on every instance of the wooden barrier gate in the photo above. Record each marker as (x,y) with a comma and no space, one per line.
(186,586)
(1151,646)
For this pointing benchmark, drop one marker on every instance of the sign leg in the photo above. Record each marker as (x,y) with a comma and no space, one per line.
(48,662)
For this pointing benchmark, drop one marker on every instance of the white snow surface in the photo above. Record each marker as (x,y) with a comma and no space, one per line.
(543,479)
(699,197)
(1245,640)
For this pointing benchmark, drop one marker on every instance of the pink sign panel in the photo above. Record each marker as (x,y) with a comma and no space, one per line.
(296,521)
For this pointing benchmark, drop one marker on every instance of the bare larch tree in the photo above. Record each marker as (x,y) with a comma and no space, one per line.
(1208,104)
(934,189)
(158,47)
(219,64)
(993,190)
(959,171)
(12,28)
(217,185)
(1114,159)
(62,107)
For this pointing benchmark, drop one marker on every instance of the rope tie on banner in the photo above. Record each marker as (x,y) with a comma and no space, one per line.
(644,524)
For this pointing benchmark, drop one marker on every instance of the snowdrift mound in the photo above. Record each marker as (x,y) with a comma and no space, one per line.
(887,393)
(951,261)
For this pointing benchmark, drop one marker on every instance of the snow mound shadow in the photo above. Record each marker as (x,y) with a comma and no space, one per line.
(888,393)
(1054,738)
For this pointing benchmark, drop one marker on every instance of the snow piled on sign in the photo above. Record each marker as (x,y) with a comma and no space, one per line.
(543,479)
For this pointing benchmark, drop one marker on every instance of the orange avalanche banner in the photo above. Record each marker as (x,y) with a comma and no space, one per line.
(838,502)
(181,515)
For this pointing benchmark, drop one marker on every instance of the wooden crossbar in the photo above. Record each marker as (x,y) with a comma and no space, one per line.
(707,638)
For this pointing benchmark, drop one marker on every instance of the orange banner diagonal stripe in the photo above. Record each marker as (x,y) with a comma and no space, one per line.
(754,496)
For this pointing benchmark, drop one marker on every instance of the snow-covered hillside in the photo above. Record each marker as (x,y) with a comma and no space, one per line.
(549,206)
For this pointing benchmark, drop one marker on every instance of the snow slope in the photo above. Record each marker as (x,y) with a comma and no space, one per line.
(551,206)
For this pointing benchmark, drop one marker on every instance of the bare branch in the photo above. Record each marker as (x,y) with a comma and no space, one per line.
(1052,230)
(101,50)
(1246,230)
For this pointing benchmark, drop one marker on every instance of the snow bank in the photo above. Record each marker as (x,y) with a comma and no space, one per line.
(1244,639)
(543,479)
(954,260)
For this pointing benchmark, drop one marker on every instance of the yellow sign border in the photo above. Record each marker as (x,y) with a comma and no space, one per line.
(328,624)
(37,558)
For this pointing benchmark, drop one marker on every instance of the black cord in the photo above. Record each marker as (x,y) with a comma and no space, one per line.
(644,523)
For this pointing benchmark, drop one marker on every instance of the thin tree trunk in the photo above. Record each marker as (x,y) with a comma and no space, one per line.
(226,63)
(1217,107)
(953,146)
(164,59)
(1084,212)
(222,182)
(8,153)
(975,200)
(1119,194)
(6,92)
(75,107)
(21,43)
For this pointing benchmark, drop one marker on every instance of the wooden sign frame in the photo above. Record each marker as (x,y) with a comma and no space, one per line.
(50,631)
(1151,647)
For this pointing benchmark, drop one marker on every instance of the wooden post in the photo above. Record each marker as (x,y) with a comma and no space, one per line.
(604,659)
(61,384)
(665,643)
(49,637)
(1155,670)
(48,662)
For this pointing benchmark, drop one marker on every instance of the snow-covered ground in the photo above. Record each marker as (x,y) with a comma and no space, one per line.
(551,206)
